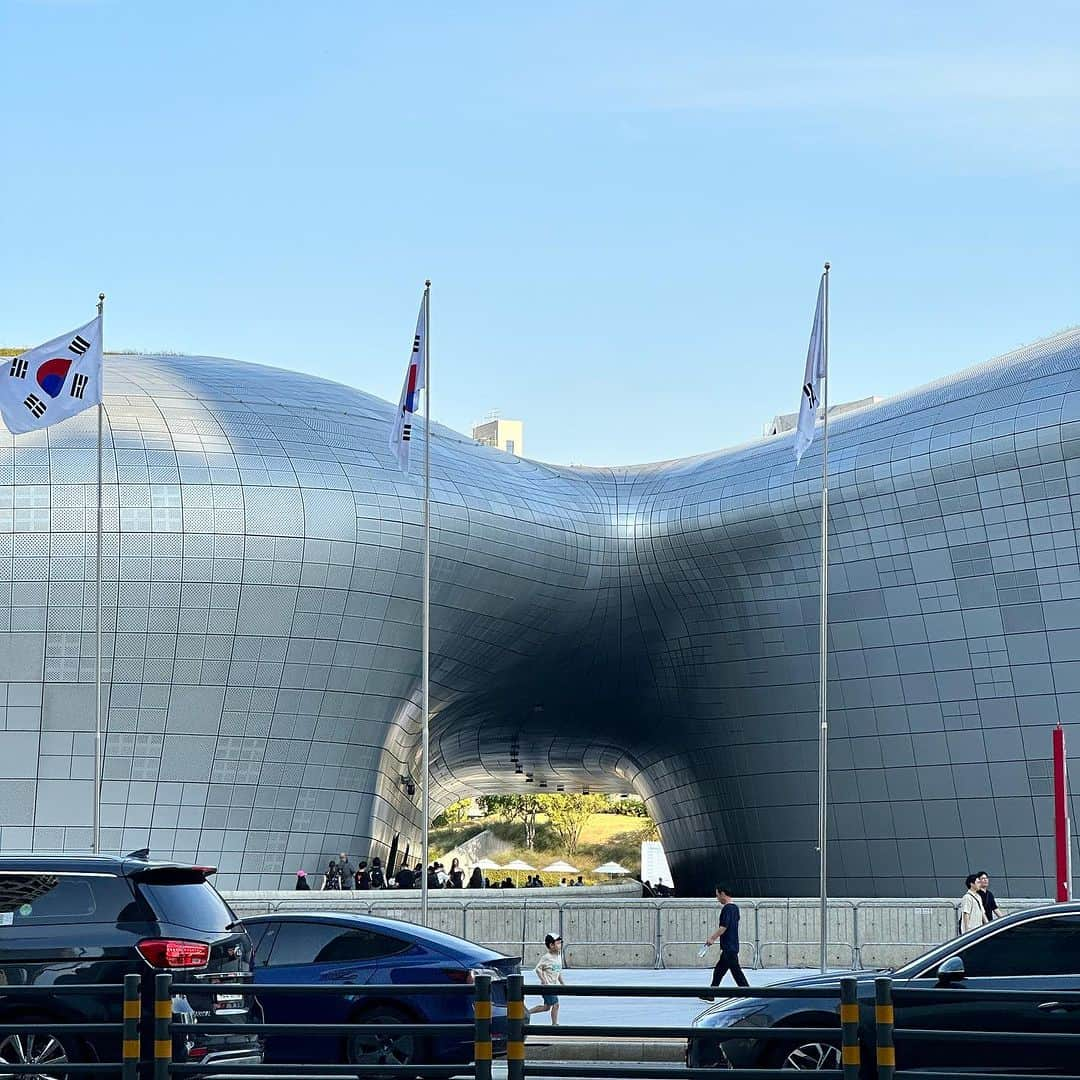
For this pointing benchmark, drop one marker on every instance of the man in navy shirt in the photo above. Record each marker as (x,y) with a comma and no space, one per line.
(728,936)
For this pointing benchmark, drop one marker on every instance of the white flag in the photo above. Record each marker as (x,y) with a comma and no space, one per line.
(52,382)
(415,381)
(815,372)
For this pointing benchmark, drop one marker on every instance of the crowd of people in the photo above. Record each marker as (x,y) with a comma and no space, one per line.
(341,875)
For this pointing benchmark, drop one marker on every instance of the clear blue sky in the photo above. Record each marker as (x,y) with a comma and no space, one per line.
(624,207)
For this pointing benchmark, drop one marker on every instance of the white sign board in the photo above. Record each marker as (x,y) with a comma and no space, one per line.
(654,865)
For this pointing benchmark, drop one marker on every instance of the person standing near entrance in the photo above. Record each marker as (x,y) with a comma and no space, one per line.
(727,934)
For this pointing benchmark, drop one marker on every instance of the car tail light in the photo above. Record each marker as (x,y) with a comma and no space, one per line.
(464,975)
(172,953)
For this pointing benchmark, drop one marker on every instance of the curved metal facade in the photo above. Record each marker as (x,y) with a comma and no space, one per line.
(651,628)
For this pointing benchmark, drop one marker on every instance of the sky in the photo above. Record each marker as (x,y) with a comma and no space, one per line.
(624,207)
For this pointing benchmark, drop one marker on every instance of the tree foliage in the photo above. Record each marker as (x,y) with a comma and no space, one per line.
(457,813)
(631,807)
(523,808)
(569,814)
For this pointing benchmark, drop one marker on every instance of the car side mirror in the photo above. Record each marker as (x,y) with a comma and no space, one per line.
(952,970)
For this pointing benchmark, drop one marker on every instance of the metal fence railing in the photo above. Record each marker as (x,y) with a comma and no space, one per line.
(892,1043)
(663,933)
(867,1037)
(123,1032)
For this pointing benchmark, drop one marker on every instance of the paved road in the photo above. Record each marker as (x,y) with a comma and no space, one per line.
(651,1011)
(645,1011)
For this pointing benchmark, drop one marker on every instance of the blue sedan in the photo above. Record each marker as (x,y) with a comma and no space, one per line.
(359,950)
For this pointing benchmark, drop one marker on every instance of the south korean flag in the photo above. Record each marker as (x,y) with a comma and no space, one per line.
(52,382)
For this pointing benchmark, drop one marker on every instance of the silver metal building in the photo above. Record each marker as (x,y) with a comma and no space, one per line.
(650,628)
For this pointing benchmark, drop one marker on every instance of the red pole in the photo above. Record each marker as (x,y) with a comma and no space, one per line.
(1062,838)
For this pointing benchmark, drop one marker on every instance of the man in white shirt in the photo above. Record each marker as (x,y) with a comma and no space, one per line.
(972,912)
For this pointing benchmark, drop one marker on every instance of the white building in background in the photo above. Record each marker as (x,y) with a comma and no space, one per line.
(508,435)
(784,422)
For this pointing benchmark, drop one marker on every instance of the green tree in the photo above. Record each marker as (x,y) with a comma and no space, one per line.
(523,808)
(457,813)
(569,814)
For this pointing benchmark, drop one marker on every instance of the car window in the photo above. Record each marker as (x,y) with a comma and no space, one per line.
(264,946)
(1047,946)
(301,942)
(256,931)
(32,899)
(195,905)
(361,945)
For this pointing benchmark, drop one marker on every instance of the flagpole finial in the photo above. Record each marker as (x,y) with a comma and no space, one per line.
(827,265)
(100,302)
(427,283)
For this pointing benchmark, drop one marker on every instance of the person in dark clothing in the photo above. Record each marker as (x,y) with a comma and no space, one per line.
(302,884)
(378,874)
(433,881)
(990,906)
(457,876)
(332,879)
(476,879)
(363,875)
(345,869)
(727,934)
(405,878)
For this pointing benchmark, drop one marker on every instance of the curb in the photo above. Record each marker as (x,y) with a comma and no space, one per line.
(536,1049)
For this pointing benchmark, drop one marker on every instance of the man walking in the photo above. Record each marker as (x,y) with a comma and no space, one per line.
(990,905)
(972,912)
(727,934)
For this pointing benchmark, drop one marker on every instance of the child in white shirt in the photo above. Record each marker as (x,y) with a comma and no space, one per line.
(549,972)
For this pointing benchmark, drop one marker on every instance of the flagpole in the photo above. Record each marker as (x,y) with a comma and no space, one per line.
(425,782)
(823,659)
(97,578)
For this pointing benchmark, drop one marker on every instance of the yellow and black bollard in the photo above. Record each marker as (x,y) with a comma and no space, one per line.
(515,1027)
(162,1025)
(849,1026)
(132,1011)
(482,1015)
(883,1024)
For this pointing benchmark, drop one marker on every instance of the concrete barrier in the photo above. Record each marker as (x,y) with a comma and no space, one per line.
(611,926)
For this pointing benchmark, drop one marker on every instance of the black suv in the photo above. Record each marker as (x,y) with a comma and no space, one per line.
(94,919)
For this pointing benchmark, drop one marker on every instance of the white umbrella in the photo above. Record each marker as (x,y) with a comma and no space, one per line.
(519,864)
(486,864)
(611,868)
(561,867)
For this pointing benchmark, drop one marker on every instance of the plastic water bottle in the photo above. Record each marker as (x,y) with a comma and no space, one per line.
(702,951)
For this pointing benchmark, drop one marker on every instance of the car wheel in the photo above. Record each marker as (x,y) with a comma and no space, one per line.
(388,1049)
(50,1052)
(811,1056)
